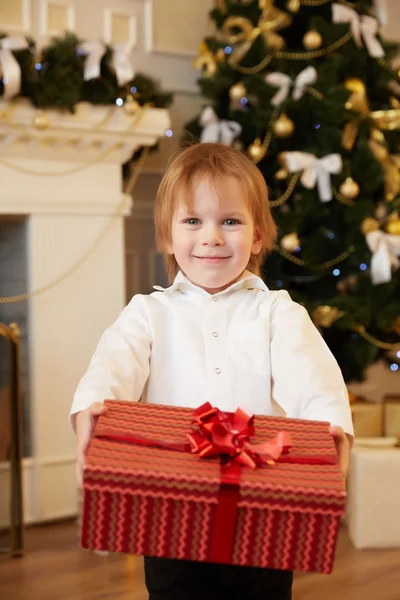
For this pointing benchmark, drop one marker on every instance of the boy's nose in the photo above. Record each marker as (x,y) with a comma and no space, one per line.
(212,236)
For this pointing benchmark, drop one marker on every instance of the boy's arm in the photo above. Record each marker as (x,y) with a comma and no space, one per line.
(306,379)
(119,367)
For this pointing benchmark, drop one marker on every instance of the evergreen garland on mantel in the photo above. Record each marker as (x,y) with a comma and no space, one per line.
(54,78)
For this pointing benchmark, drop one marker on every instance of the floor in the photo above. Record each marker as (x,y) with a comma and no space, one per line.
(55,568)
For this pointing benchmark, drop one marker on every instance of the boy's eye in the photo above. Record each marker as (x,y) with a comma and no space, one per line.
(231,222)
(192,221)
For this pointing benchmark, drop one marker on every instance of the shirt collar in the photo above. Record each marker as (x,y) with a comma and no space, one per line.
(247,280)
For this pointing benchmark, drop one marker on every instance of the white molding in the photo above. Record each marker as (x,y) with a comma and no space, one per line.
(87,204)
(57,502)
(26,19)
(44,17)
(108,13)
(149,37)
(120,131)
(148,26)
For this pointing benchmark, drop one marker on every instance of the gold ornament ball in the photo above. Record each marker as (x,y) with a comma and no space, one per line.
(293,5)
(40,120)
(281,175)
(369,224)
(393,227)
(290,242)
(237,91)
(349,188)
(131,106)
(256,150)
(312,40)
(283,126)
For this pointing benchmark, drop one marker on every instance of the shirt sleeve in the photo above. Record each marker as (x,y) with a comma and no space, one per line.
(119,367)
(306,379)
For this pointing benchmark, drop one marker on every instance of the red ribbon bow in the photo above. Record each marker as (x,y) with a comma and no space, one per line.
(228,434)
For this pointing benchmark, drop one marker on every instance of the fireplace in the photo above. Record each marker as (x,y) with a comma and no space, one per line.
(62,212)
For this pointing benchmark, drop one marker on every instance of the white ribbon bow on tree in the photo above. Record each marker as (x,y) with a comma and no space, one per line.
(385,248)
(364,27)
(218,130)
(305,78)
(9,64)
(121,60)
(315,170)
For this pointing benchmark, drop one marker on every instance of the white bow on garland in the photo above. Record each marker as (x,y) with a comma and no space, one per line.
(364,27)
(9,64)
(218,130)
(315,170)
(306,77)
(385,248)
(121,60)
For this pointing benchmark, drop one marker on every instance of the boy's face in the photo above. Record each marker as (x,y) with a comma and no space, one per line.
(213,240)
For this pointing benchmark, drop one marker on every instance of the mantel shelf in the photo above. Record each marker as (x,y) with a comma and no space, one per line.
(106,133)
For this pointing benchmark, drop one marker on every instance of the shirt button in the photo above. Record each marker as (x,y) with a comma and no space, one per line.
(215,299)
(218,371)
(215,333)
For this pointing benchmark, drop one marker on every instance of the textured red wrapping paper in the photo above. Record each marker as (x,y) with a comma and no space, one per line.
(141,499)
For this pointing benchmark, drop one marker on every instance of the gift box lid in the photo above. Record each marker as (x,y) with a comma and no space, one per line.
(118,465)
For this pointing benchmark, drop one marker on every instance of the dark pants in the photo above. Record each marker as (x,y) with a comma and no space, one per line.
(168,579)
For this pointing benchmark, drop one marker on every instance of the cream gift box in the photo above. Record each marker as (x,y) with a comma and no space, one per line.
(372,514)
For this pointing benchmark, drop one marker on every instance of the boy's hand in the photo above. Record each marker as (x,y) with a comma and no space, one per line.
(342,448)
(85,422)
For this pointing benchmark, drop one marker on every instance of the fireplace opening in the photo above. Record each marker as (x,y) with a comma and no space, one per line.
(14,281)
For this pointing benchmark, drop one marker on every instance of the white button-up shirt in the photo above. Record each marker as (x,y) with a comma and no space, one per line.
(245,345)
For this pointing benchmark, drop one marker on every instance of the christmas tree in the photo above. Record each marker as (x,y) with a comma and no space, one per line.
(306,89)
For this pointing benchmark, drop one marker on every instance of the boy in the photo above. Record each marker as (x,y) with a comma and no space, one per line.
(216,334)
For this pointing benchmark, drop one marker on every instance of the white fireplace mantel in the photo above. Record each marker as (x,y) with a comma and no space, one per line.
(67,180)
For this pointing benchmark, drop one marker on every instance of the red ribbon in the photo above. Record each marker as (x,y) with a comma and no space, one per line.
(228,435)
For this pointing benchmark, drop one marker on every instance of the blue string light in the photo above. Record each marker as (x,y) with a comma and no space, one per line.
(336,272)
(38,66)
(331,235)
(133,89)
(228,49)
(244,101)
(363,267)
(169,133)
(119,102)
(394,367)
(398,354)
(279,283)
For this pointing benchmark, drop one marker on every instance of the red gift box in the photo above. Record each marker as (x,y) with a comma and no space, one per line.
(146,493)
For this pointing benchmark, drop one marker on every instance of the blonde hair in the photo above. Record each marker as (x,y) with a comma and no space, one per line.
(214,161)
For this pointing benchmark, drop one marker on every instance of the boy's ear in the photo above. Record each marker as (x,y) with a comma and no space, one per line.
(257,242)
